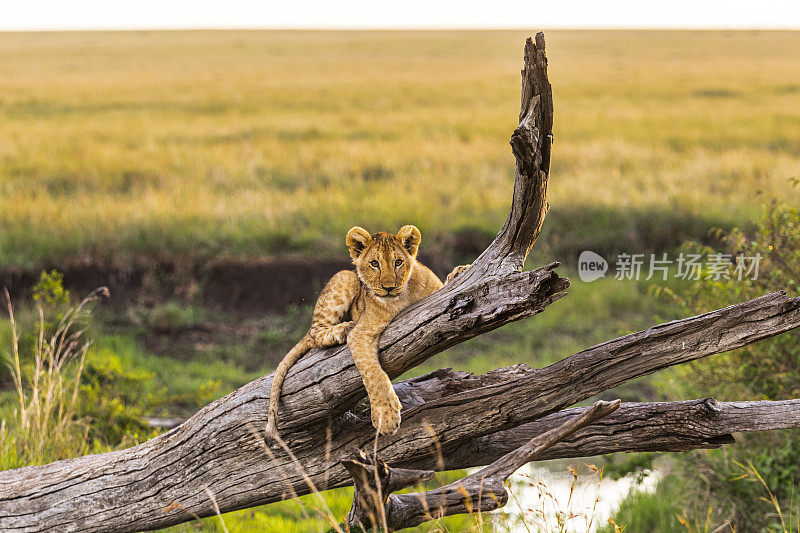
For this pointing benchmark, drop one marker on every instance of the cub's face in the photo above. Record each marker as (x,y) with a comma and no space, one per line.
(384,261)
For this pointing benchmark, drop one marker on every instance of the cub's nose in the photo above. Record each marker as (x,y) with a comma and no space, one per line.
(388,289)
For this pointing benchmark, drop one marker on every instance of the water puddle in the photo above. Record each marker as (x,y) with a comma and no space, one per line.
(547,497)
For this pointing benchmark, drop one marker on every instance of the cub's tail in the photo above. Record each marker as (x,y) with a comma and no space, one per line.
(300,349)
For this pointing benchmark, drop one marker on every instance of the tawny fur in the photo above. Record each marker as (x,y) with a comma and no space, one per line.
(356,306)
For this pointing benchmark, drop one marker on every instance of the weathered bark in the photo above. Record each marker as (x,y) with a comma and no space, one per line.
(482,491)
(581,432)
(221,451)
(530,143)
(637,427)
(374,482)
(510,397)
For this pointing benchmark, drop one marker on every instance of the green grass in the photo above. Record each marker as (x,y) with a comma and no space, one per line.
(249,143)
(178,387)
(654,512)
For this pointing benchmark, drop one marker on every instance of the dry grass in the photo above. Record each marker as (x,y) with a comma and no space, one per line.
(47,384)
(249,143)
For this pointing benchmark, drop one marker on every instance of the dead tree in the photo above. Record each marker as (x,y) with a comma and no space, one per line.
(450,419)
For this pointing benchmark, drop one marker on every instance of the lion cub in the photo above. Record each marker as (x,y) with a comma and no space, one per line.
(356,306)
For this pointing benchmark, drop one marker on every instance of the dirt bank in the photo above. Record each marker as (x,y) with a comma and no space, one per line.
(246,286)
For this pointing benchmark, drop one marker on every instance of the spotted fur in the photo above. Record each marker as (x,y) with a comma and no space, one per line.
(356,306)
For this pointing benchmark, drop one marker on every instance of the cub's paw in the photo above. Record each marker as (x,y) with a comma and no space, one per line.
(386,415)
(455,272)
(331,335)
(344,330)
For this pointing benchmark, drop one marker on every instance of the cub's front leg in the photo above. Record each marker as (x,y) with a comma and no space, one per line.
(384,404)
(327,328)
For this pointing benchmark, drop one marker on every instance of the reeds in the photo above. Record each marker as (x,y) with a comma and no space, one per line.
(47,385)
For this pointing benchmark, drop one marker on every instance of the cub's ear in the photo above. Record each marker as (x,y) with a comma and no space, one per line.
(357,241)
(410,237)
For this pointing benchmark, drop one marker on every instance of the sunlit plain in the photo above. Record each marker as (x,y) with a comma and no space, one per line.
(250,143)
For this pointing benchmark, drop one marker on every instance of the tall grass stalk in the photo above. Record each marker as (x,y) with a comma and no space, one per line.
(45,426)
(786,518)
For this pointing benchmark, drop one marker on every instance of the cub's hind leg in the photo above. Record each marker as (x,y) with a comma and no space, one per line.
(327,329)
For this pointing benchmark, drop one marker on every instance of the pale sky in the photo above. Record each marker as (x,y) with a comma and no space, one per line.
(358,14)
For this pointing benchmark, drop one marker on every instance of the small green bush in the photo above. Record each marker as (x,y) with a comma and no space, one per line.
(49,291)
(111,400)
(654,512)
(769,370)
(173,316)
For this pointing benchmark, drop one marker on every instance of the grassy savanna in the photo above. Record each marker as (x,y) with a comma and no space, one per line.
(249,143)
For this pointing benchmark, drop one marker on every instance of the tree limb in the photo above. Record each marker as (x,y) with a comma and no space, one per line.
(637,427)
(531,143)
(479,492)
(509,397)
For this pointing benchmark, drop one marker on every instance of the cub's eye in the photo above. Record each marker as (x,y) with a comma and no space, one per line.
(373,264)
(398,262)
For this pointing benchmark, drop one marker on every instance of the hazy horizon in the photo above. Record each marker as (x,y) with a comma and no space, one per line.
(397,29)
(87,15)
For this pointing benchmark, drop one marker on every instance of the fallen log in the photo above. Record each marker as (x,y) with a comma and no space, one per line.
(166,480)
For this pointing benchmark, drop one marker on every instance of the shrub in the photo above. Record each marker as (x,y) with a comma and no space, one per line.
(172,316)
(110,401)
(769,370)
